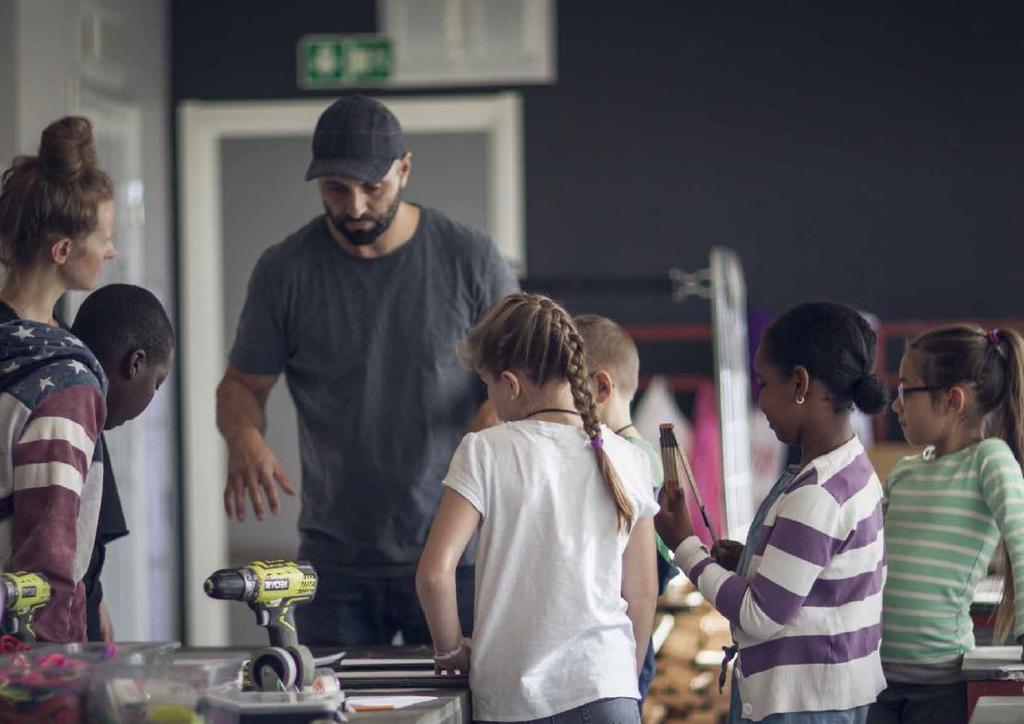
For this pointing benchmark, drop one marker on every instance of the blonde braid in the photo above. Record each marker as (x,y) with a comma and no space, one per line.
(583,399)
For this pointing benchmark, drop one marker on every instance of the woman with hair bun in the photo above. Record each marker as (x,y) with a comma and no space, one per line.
(56,223)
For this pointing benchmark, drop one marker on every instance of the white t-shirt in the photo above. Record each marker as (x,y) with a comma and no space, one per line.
(551,631)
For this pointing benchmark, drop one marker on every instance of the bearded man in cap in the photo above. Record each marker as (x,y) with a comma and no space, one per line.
(361,309)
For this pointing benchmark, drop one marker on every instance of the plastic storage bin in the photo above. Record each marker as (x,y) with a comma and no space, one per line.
(51,682)
(165,690)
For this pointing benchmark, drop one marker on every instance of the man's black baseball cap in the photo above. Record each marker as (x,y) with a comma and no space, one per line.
(356,137)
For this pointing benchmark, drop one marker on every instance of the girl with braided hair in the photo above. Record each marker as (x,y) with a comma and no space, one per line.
(565,575)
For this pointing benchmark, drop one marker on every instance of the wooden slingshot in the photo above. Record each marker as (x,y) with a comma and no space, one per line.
(671,456)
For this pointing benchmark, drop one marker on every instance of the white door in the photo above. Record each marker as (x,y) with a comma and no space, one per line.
(139,582)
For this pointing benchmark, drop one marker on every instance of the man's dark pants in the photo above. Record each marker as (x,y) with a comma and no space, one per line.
(353,610)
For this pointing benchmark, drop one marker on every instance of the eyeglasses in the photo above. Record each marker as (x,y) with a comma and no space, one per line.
(902,391)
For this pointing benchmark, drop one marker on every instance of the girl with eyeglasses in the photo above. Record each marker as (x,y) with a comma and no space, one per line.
(961,395)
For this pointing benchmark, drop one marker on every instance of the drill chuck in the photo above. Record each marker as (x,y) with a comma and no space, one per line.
(230,584)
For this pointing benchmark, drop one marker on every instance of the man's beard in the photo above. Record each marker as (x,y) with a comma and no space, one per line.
(366,236)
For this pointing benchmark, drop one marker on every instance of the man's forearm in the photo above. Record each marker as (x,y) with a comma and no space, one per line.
(239,410)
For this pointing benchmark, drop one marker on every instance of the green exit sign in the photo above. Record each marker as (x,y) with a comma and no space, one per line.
(339,61)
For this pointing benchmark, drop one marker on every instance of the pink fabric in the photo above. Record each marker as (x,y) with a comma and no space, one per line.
(705,455)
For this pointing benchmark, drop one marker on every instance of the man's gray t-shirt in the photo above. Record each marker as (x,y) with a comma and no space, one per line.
(367,347)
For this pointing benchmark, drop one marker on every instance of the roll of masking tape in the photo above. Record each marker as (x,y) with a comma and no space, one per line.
(325,681)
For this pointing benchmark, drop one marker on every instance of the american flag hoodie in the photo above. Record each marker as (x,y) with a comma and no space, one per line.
(52,410)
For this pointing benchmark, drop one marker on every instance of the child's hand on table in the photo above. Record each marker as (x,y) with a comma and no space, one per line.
(454,662)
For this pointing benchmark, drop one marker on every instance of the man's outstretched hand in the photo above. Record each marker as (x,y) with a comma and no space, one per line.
(253,471)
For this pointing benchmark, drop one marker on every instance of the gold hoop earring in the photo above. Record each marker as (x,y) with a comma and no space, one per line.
(800,400)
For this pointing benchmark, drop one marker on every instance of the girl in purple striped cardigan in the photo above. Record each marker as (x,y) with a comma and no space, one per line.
(804,594)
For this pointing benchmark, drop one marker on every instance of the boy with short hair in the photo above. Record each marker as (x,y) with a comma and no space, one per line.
(614,364)
(128,330)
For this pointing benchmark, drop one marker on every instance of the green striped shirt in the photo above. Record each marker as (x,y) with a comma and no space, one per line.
(943,520)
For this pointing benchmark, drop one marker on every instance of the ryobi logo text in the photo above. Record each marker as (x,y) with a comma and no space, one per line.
(275,584)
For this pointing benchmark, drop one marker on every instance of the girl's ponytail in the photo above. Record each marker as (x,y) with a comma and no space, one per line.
(583,399)
(1008,423)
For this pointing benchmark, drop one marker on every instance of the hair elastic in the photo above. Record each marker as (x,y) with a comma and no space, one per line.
(994,337)
(597,443)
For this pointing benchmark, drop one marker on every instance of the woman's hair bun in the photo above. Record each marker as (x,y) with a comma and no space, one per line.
(869,394)
(66,150)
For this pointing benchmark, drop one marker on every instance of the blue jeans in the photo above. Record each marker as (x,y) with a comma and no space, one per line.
(602,711)
(368,611)
(646,673)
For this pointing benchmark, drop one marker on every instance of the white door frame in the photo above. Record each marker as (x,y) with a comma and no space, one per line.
(201,127)
(142,479)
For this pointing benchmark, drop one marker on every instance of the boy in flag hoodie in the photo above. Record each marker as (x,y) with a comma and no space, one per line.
(52,410)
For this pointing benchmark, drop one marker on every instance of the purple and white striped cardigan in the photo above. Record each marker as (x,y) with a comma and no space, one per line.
(807,617)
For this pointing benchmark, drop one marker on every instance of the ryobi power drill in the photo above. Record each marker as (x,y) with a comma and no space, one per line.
(21,595)
(272,589)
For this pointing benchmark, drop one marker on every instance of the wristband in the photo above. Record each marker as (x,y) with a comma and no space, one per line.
(448,655)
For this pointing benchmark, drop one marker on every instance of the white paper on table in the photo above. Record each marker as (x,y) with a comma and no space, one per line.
(1003,659)
(1004,654)
(395,702)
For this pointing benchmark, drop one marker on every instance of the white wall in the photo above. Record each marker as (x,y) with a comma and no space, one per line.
(8,84)
(50,63)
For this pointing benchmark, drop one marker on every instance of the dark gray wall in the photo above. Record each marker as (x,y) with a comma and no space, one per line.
(867,153)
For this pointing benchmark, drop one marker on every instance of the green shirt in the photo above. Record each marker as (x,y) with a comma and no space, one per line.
(943,519)
(658,472)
